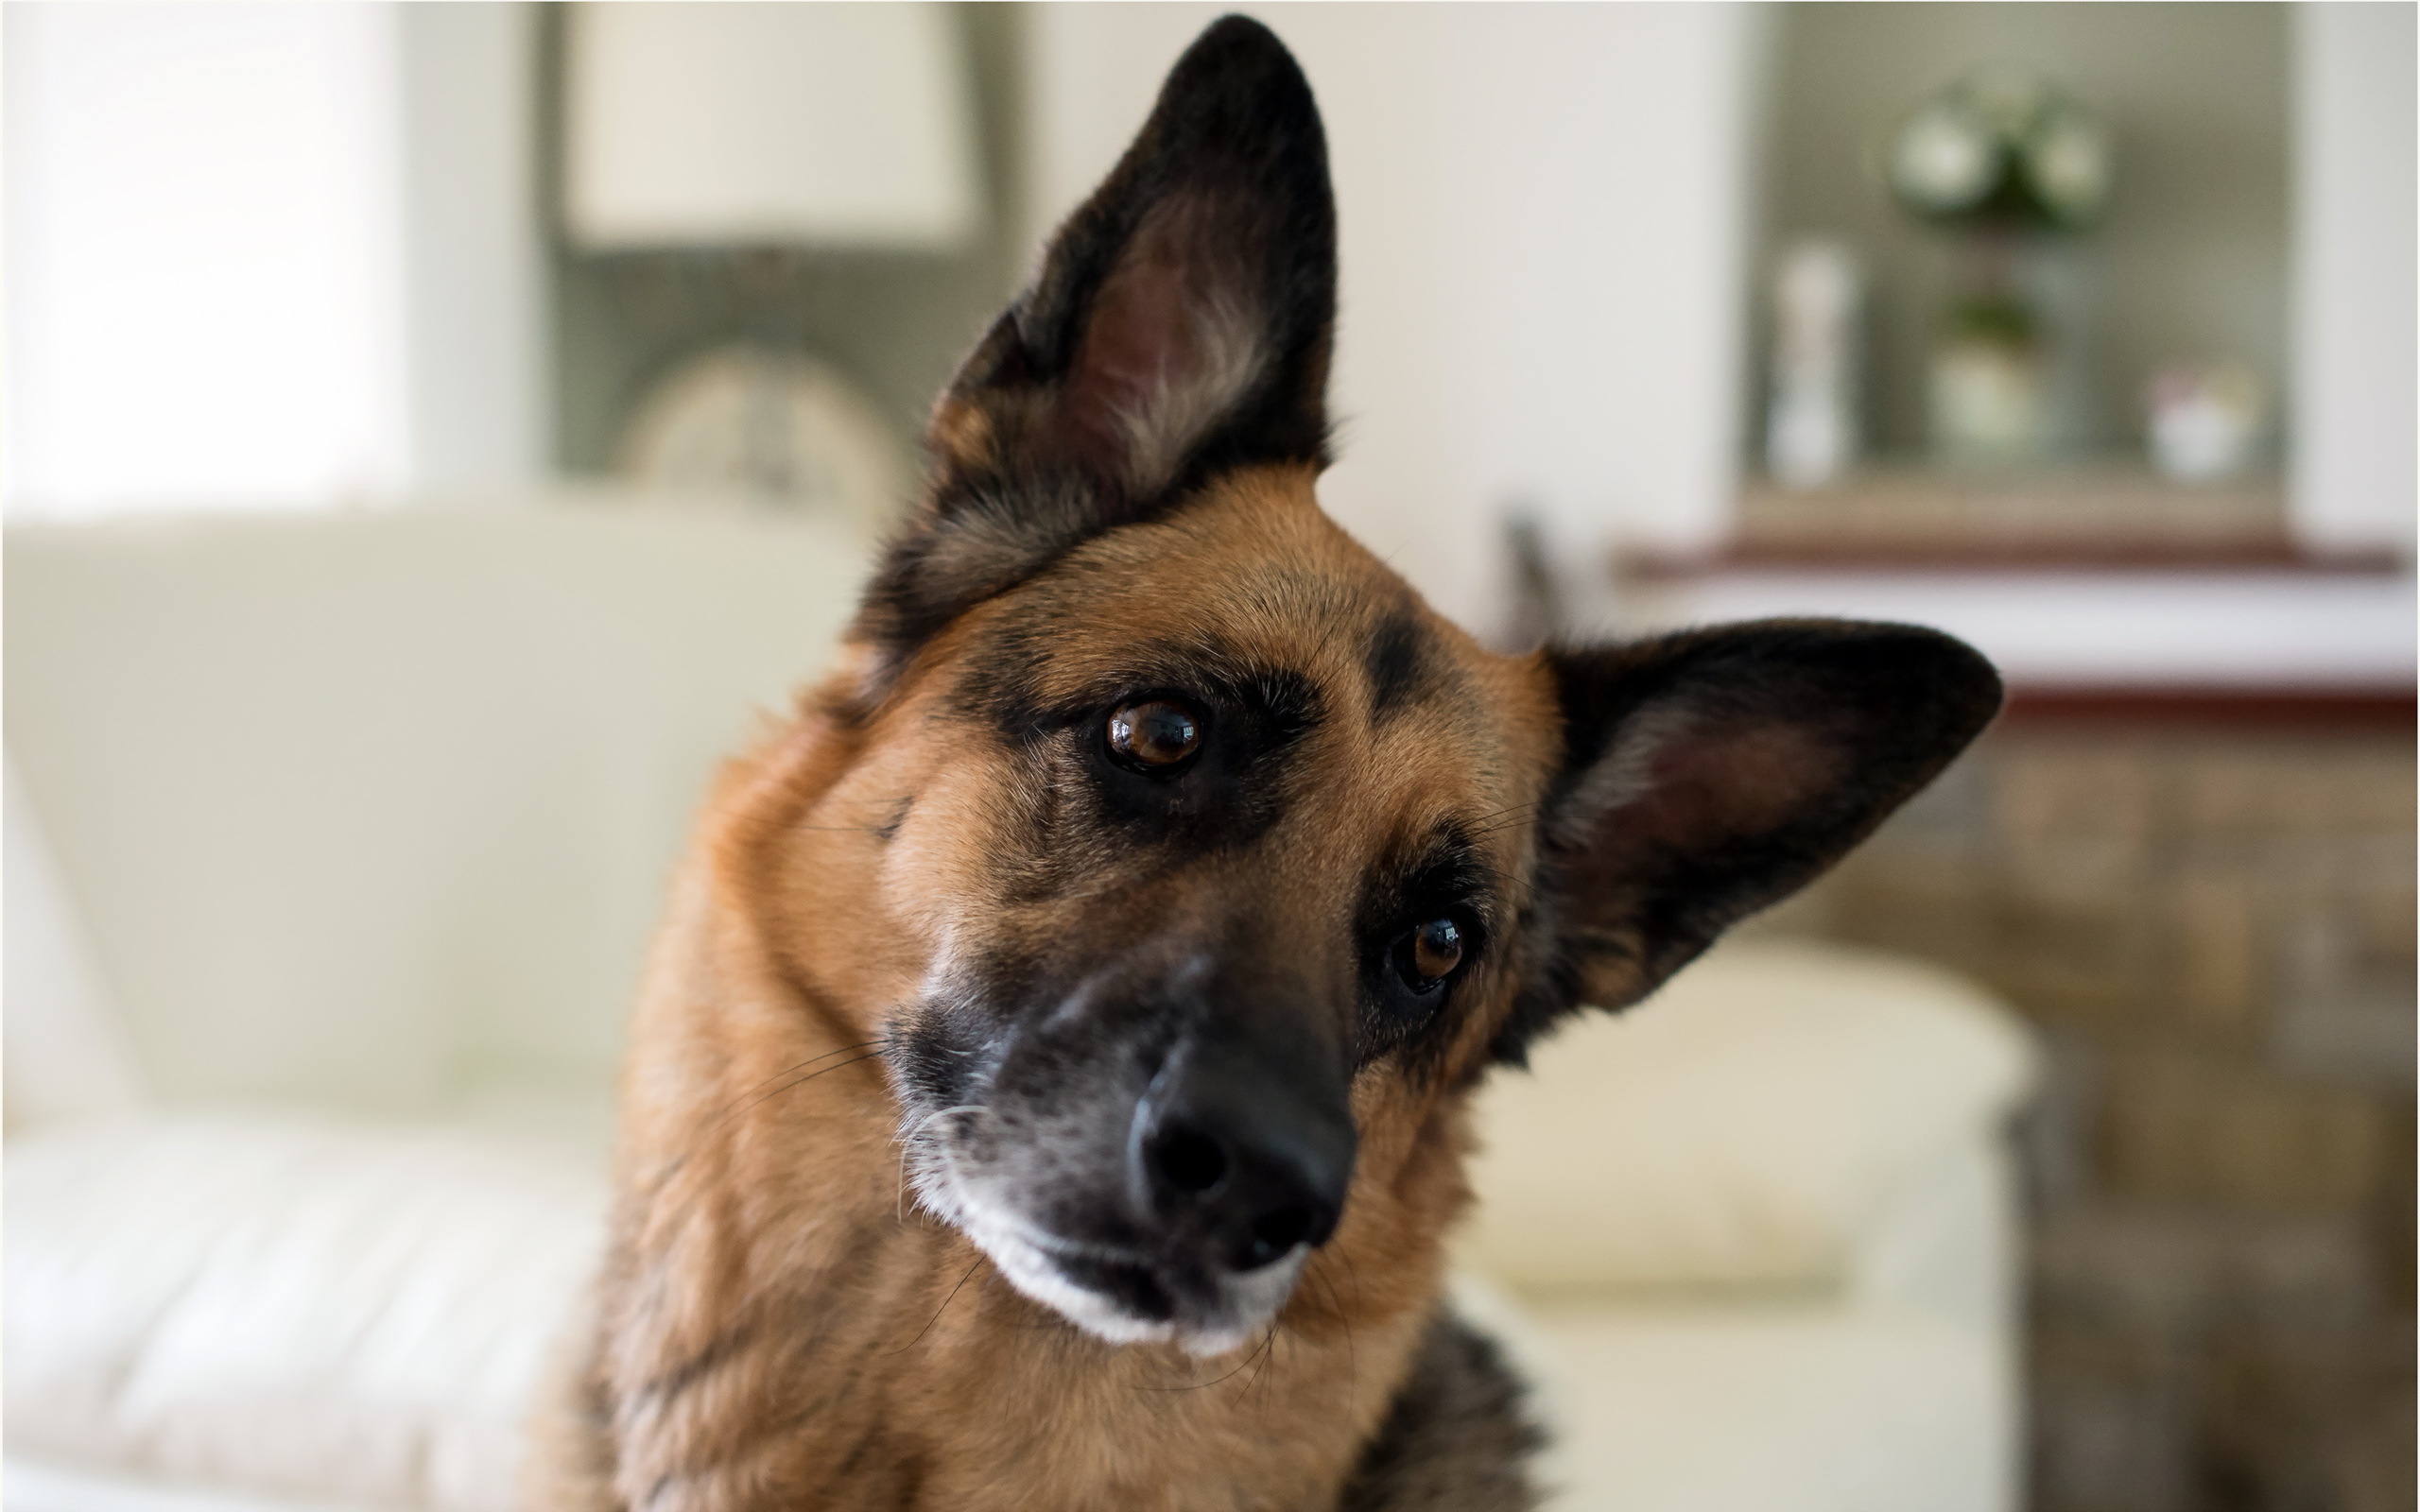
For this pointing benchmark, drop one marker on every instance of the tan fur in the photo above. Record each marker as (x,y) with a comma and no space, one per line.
(784,1325)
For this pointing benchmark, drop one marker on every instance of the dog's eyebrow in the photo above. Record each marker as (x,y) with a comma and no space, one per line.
(1444,866)
(1011,683)
(1288,698)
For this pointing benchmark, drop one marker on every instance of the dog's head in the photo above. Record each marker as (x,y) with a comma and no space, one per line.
(1211,862)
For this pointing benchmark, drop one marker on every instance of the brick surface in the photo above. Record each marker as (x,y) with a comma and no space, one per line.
(2071,948)
(2367,1460)
(2214,968)
(2108,793)
(2175,1273)
(1933,901)
(2343,992)
(2098,1447)
(2214,933)
(2178,1126)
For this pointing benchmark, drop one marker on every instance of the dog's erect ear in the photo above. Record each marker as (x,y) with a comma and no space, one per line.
(1179,326)
(1710,773)
(1182,316)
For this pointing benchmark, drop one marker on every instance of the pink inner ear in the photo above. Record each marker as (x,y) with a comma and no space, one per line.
(1166,348)
(1140,338)
(1140,347)
(1727,782)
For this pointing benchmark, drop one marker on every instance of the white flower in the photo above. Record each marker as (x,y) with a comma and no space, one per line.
(1943,160)
(2068,162)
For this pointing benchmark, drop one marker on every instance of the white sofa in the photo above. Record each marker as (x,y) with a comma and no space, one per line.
(332,846)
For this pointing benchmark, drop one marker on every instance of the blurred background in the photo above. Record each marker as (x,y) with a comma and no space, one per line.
(2083,331)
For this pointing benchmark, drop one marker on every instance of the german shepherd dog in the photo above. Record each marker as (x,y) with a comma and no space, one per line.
(1050,1086)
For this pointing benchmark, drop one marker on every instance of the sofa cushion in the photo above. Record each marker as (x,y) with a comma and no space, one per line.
(361,808)
(33,1485)
(292,1307)
(1748,1407)
(1744,1127)
(65,1052)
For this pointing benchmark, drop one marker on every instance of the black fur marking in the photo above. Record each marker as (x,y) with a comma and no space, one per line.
(1459,1437)
(1134,1287)
(941,1047)
(1399,662)
(717,1352)
(1710,831)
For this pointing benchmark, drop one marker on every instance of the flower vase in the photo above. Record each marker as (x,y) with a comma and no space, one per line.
(1988,388)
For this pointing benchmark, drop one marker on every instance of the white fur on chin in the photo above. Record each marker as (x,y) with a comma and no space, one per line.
(1024,1257)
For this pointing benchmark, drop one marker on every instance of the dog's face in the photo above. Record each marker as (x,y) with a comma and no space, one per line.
(1216,881)
(1222,862)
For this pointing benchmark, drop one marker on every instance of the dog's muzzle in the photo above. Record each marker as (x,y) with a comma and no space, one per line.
(1180,1206)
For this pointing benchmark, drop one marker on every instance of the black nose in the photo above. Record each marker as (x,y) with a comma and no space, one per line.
(1239,1155)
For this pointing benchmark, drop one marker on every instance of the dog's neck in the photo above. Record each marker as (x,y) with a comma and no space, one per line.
(782,1324)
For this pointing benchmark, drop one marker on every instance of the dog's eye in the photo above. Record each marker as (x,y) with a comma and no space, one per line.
(1429,954)
(1154,734)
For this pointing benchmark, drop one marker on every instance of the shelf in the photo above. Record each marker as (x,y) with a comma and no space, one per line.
(1911,516)
(2373,711)
(2100,591)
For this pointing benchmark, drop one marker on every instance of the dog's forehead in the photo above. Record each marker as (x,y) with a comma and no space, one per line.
(1254,580)
(1249,572)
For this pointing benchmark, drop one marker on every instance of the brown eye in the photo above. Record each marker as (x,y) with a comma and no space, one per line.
(1436,950)
(1154,734)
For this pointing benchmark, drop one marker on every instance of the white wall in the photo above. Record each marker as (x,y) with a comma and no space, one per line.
(474,291)
(203,298)
(1541,218)
(266,255)
(2355,392)
(1596,200)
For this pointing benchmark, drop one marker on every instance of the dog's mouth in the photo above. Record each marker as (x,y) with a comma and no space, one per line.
(1115,1293)
(1127,1299)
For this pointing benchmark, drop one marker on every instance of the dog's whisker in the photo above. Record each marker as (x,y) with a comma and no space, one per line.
(786,1071)
(917,1128)
(899,812)
(1518,822)
(906,1140)
(793,1085)
(938,1311)
(1264,1354)
(1204,1386)
(1351,1358)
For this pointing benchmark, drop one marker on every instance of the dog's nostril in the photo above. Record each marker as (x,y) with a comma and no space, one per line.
(1191,1163)
(1274,1234)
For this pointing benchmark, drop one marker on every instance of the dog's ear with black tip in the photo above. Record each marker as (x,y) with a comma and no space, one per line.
(1711,773)
(1181,325)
